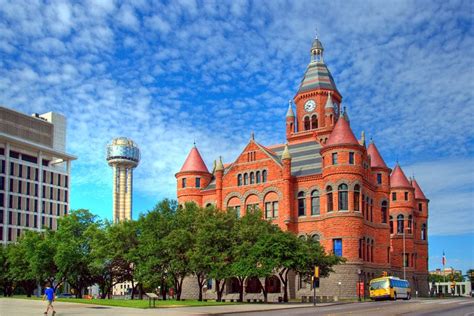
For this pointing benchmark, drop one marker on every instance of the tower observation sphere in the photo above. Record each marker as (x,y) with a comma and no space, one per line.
(123,156)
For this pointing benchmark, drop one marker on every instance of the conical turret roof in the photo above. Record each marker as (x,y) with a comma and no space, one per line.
(376,159)
(194,162)
(342,133)
(398,178)
(418,193)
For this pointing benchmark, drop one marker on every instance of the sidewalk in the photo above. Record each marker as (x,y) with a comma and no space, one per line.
(12,306)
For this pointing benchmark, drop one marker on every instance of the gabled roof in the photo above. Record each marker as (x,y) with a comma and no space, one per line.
(376,159)
(194,162)
(317,76)
(342,133)
(398,178)
(418,193)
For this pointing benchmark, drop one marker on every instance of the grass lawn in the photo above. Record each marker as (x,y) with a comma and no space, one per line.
(135,303)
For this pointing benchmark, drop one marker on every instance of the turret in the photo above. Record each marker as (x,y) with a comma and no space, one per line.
(317,99)
(192,177)
(290,121)
(219,174)
(341,154)
(287,206)
(380,172)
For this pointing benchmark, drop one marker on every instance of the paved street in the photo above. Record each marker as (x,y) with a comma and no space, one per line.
(448,307)
(461,306)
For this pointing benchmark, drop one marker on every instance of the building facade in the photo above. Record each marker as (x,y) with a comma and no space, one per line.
(34,172)
(326,184)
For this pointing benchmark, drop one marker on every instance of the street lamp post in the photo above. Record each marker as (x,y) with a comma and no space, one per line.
(359,272)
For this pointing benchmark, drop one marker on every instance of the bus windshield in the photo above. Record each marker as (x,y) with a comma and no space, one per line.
(383,284)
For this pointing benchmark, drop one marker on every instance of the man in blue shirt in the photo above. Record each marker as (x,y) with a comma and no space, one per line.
(49,295)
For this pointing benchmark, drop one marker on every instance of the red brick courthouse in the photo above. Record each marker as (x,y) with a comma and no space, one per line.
(325,184)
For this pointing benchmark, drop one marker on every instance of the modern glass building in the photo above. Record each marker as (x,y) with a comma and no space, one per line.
(34,172)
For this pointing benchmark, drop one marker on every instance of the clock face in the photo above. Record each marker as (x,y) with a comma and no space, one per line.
(310,105)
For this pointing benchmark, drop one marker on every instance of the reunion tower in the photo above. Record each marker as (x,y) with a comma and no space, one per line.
(123,156)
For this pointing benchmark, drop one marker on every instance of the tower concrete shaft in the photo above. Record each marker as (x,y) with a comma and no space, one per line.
(122,193)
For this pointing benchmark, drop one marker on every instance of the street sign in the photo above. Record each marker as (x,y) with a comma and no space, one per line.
(316,272)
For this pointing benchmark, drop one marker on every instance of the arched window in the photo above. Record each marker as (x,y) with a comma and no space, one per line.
(342,197)
(384,211)
(314,122)
(264,176)
(301,204)
(306,123)
(257,176)
(423,231)
(410,222)
(253,285)
(272,284)
(246,178)
(252,178)
(400,227)
(239,180)
(315,237)
(356,197)
(315,203)
(391,225)
(329,198)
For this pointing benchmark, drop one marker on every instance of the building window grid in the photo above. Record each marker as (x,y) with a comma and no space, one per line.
(343,197)
(351,158)
(329,201)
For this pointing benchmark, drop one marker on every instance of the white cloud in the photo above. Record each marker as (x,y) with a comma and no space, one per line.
(449,185)
(214,70)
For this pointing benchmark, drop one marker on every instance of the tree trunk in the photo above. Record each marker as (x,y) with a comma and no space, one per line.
(241,290)
(140,291)
(264,291)
(200,280)
(220,289)
(283,274)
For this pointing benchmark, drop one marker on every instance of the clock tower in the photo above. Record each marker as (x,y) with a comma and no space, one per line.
(318,102)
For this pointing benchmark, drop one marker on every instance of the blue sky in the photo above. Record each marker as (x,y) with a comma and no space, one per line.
(166,74)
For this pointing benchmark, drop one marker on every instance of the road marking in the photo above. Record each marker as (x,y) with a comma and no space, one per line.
(451,302)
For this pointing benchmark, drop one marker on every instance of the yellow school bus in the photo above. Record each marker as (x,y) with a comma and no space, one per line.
(389,288)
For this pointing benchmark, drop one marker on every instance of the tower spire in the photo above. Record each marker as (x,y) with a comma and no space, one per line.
(290,113)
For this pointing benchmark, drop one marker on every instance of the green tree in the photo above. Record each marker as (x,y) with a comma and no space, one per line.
(209,255)
(5,280)
(153,266)
(19,268)
(40,252)
(220,241)
(111,248)
(73,244)
(248,231)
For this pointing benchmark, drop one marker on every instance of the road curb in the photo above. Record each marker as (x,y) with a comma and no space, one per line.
(276,309)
